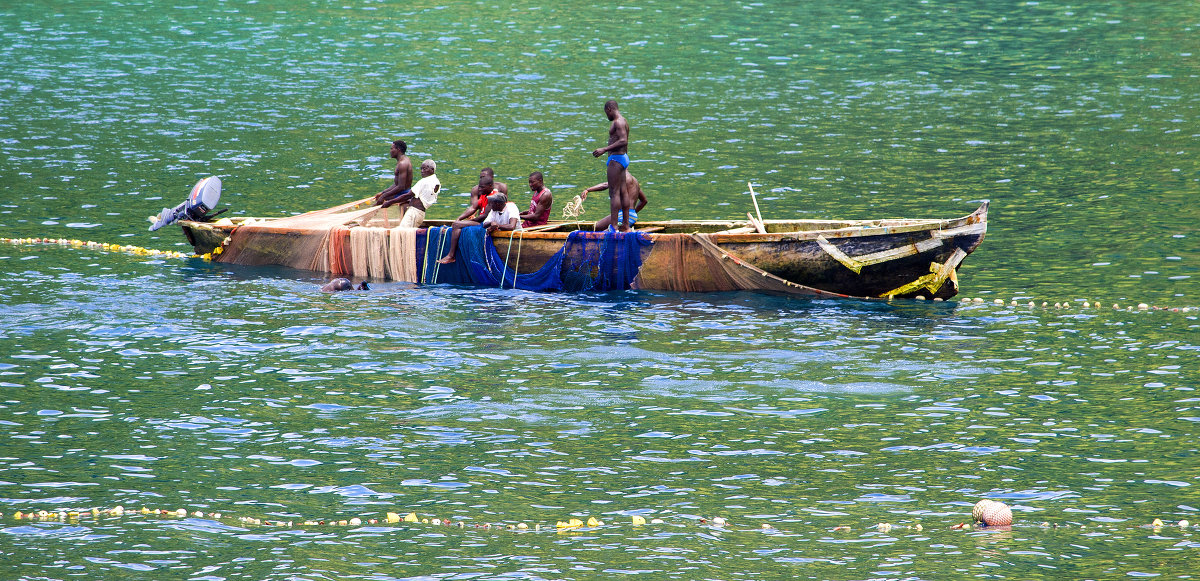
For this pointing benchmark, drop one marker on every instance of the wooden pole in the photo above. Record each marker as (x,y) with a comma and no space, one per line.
(759,224)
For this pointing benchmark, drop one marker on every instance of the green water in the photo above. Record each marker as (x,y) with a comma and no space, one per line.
(175,384)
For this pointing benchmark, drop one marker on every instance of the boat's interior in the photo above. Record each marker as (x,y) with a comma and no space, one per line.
(683,226)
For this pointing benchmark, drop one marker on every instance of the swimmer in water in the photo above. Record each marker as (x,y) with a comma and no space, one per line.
(343,284)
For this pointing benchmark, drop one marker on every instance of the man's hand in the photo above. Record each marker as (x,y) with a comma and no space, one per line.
(583,196)
(599,152)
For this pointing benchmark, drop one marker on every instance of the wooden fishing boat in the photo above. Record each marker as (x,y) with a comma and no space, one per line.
(886,258)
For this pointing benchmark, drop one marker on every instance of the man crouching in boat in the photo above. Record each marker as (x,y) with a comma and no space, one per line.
(401,178)
(414,204)
(501,214)
(633,192)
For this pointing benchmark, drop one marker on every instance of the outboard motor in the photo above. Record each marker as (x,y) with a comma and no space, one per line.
(198,204)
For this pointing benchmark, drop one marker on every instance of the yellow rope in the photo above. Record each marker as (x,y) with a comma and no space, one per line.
(437,270)
(424,260)
(516,266)
(504,267)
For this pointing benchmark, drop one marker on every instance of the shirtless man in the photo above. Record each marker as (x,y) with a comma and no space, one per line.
(479,203)
(501,215)
(633,189)
(618,161)
(402,178)
(539,206)
(343,284)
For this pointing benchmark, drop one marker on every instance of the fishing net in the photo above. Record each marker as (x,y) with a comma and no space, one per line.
(695,263)
(603,261)
(344,240)
(351,240)
(588,261)
(679,264)
(477,263)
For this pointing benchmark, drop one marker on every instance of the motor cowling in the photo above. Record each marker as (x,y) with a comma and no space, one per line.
(202,200)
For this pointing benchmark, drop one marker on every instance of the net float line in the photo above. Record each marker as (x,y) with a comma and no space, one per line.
(103,246)
(986,515)
(141,251)
(1094,306)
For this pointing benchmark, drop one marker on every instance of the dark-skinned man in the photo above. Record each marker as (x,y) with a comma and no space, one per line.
(616,165)
(501,214)
(634,193)
(539,206)
(479,204)
(401,178)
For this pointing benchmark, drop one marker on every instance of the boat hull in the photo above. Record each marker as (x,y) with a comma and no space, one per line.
(864,259)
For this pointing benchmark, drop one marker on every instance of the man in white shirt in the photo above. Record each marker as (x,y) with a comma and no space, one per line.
(504,218)
(417,201)
(501,214)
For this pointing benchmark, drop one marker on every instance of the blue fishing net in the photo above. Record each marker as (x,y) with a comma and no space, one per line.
(598,261)
(602,261)
(477,263)
(437,243)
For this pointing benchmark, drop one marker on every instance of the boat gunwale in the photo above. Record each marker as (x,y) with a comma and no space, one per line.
(849,228)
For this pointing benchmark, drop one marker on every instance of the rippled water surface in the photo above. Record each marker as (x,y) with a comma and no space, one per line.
(179,384)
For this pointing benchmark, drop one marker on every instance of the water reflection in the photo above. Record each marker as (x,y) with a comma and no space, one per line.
(183,384)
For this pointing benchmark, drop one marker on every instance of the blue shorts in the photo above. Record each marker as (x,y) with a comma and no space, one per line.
(632,217)
(396,195)
(620,158)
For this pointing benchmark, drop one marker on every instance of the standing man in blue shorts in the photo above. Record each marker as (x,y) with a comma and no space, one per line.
(618,161)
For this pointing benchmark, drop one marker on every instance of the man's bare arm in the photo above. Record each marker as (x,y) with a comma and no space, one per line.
(600,187)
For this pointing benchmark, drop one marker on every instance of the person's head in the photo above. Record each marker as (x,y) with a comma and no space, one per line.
(428,168)
(610,109)
(535,182)
(486,185)
(487,171)
(399,148)
(497,201)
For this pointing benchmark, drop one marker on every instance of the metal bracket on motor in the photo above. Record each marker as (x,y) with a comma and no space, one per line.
(204,197)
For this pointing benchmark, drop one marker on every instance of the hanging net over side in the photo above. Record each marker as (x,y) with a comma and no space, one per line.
(310,241)
(742,275)
(347,240)
(603,261)
(478,263)
(588,261)
(678,263)
(337,241)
